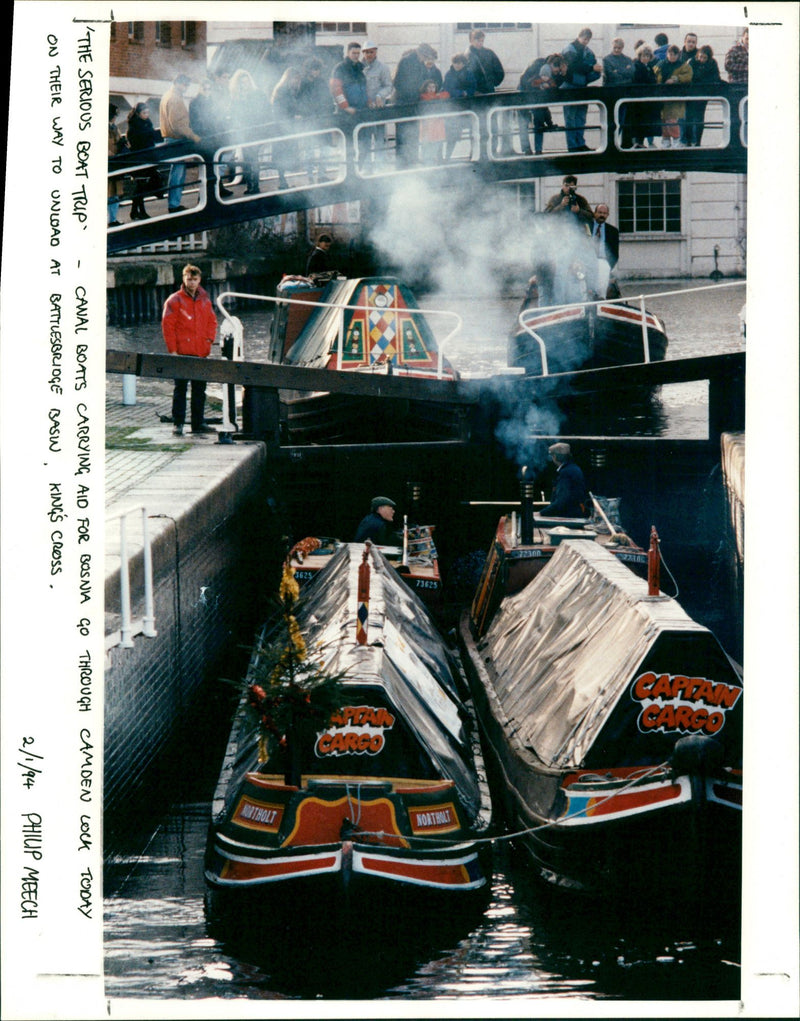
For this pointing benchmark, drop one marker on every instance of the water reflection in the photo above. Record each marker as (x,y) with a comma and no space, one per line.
(524,941)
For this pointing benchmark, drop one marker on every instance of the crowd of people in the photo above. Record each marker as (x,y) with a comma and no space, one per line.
(361,81)
(679,123)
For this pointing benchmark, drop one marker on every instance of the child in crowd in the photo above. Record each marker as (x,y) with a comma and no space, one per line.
(432,129)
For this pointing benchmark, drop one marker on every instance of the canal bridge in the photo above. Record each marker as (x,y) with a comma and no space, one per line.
(485,139)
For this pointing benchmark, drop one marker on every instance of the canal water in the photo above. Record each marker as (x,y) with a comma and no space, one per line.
(523,944)
(698,322)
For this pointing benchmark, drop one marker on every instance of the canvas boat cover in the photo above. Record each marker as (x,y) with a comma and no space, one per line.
(404,656)
(589,671)
(378,331)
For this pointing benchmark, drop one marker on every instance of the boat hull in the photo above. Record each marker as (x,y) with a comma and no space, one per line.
(274,848)
(317,418)
(578,337)
(346,866)
(608,833)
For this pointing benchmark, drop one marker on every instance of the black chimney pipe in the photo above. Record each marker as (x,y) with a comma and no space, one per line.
(527,498)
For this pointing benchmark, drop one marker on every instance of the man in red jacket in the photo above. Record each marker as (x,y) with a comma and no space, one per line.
(189,327)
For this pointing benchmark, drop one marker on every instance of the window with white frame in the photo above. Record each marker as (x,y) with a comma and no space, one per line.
(188,33)
(136,31)
(163,33)
(492,26)
(349,27)
(649,206)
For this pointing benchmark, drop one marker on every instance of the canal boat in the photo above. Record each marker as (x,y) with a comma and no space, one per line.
(384,799)
(572,316)
(416,561)
(524,543)
(613,726)
(369,325)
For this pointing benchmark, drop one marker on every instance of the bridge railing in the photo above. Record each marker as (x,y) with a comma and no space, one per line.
(271,168)
(338,309)
(527,318)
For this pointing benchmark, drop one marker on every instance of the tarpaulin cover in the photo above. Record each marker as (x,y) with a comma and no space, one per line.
(565,651)
(404,656)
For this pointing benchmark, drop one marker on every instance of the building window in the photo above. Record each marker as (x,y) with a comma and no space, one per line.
(649,207)
(136,31)
(163,33)
(188,33)
(492,26)
(349,27)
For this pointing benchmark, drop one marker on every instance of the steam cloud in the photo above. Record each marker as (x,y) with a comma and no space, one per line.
(474,241)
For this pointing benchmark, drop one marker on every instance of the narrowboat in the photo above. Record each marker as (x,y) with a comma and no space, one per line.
(572,316)
(381,797)
(524,543)
(370,325)
(416,561)
(613,728)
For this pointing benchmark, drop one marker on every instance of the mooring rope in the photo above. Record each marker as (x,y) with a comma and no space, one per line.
(445,842)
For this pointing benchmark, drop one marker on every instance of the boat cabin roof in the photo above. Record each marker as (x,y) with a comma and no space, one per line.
(581,655)
(381,330)
(404,655)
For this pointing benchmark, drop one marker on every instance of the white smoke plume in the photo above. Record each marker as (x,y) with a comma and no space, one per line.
(475,242)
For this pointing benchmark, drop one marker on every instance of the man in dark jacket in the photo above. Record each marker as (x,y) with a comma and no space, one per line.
(413,69)
(377,525)
(583,68)
(189,327)
(484,64)
(606,236)
(318,260)
(541,78)
(489,73)
(348,84)
(568,499)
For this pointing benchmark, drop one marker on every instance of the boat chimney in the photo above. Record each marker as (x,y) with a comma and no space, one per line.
(362,613)
(653,564)
(416,494)
(527,497)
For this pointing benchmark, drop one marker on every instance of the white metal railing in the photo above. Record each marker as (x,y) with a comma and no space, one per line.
(192,161)
(127,628)
(323,146)
(229,390)
(501,126)
(718,106)
(342,309)
(743,111)
(640,298)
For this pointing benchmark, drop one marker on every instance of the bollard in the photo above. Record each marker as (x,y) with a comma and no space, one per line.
(128,389)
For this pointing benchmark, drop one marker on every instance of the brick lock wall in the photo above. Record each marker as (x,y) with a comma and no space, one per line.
(209,598)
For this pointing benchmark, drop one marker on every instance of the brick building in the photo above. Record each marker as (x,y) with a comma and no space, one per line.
(144,57)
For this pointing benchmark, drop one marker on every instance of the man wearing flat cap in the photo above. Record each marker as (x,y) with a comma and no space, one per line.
(379,92)
(377,525)
(569,492)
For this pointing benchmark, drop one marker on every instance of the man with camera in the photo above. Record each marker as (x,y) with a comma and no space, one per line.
(569,201)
